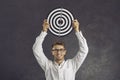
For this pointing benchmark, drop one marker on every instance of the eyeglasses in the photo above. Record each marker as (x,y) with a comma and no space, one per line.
(56,50)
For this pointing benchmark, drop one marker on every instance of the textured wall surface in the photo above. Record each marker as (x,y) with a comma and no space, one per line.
(21,22)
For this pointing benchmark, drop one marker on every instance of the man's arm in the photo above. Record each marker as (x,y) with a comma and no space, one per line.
(37,47)
(83,48)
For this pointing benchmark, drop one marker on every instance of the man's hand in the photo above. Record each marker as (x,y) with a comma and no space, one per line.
(45,25)
(76,25)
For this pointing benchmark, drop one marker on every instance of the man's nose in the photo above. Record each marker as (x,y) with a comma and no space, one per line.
(58,51)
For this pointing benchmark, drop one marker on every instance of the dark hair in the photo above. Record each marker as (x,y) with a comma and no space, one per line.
(58,43)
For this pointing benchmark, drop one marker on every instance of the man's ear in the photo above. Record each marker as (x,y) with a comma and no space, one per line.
(65,52)
(52,53)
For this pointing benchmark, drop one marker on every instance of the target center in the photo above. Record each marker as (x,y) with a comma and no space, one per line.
(60,22)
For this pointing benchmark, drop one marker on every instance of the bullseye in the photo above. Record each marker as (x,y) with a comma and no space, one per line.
(60,21)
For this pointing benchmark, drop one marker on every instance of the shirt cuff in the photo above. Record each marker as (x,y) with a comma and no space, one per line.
(79,33)
(43,33)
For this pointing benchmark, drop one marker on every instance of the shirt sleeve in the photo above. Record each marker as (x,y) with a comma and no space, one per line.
(38,51)
(82,51)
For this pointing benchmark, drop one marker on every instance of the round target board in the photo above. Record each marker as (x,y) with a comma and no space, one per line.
(60,21)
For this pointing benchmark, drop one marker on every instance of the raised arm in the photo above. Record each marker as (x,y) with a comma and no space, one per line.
(83,48)
(37,47)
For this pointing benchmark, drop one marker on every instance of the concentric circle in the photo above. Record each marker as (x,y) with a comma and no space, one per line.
(60,21)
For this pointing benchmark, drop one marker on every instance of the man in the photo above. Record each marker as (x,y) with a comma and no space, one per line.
(59,69)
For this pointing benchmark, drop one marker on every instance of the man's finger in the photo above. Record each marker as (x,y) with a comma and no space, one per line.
(45,20)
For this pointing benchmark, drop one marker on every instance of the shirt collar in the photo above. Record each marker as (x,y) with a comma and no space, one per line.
(58,64)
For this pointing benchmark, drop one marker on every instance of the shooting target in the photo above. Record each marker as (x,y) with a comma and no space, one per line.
(60,21)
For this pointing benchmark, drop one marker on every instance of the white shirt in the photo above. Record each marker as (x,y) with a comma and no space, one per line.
(67,69)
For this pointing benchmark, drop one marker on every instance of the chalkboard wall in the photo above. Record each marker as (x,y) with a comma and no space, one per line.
(21,22)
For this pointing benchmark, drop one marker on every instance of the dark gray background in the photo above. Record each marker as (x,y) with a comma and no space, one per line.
(21,22)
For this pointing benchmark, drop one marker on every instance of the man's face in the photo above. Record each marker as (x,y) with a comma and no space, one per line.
(58,51)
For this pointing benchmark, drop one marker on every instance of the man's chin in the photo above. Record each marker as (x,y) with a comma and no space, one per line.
(59,58)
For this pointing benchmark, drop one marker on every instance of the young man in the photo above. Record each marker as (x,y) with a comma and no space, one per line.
(59,69)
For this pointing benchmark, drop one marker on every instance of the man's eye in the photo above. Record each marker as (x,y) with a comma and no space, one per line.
(58,49)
